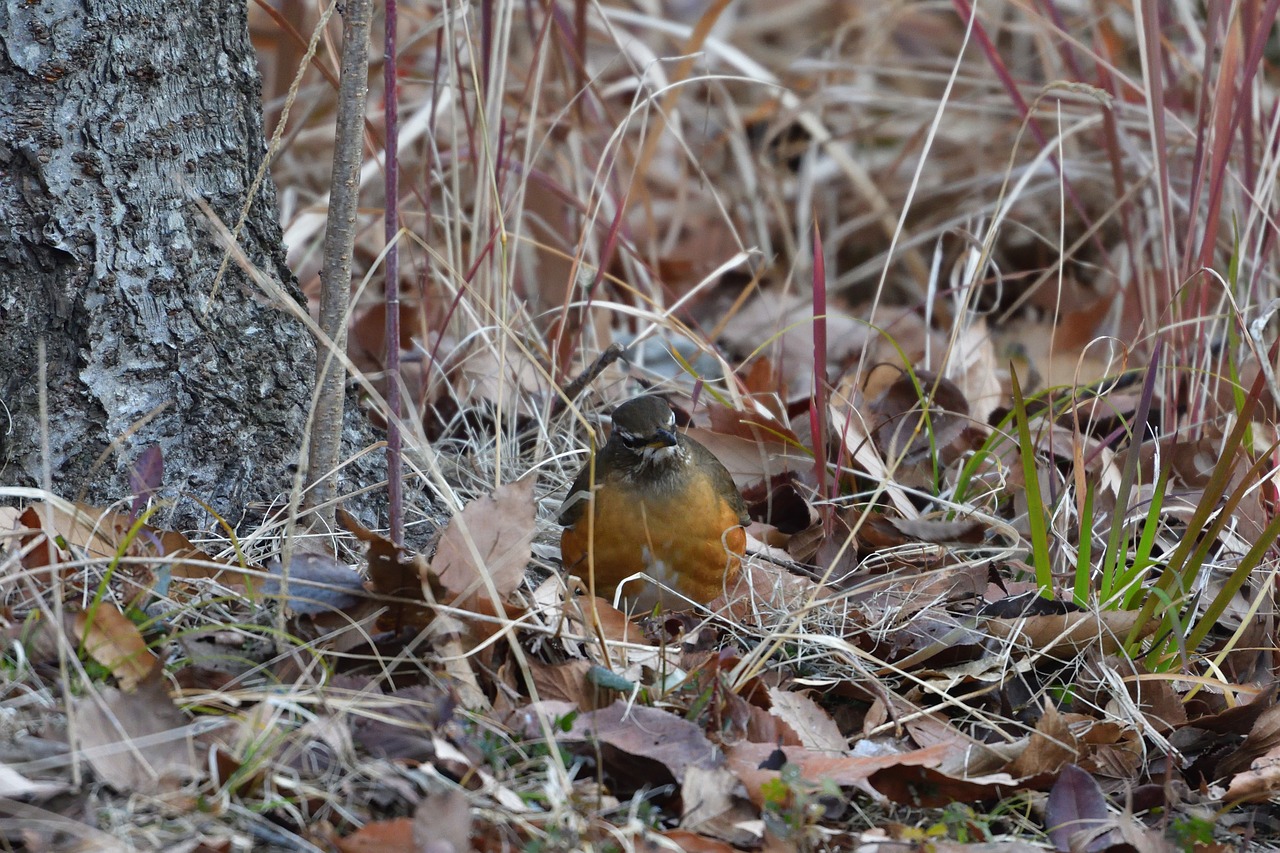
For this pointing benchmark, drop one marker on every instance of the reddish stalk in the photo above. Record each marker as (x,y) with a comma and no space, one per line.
(818,402)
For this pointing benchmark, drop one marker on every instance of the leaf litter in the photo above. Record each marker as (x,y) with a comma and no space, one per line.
(903,664)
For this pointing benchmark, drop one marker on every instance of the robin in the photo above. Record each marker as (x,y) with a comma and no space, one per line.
(663,506)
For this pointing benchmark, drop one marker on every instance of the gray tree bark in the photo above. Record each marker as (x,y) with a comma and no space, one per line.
(113,117)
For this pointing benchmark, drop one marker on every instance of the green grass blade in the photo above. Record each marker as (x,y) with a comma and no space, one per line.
(1035,505)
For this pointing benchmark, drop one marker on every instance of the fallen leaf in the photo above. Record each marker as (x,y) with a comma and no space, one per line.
(112,640)
(101,534)
(639,745)
(1260,781)
(146,476)
(492,537)
(386,836)
(1261,742)
(1048,748)
(715,804)
(816,729)
(1071,632)
(397,576)
(922,786)
(317,583)
(844,770)
(442,823)
(1077,810)
(136,742)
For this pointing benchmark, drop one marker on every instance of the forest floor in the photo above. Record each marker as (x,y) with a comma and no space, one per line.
(976,309)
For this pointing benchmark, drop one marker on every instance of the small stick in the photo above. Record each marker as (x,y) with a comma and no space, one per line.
(571,391)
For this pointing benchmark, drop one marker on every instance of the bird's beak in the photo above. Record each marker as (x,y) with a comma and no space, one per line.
(663,438)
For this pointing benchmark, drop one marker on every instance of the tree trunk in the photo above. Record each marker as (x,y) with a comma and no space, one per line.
(114,116)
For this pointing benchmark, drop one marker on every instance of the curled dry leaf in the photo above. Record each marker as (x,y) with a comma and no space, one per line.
(1048,748)
(973,368)
(919,785)
(753,445)
(112,640)
(1260,781)
(853,431)
(716,805)
(1262,744)
(397,576)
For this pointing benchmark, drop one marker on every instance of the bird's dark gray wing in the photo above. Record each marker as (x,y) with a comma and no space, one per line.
(579,493)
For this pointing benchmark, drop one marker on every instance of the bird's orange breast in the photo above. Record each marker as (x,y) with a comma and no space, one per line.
(690,542)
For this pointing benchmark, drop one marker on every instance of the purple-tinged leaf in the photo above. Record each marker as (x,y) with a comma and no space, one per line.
(1076,805)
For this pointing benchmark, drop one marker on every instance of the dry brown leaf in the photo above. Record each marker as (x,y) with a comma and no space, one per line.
(923,786)
(852,431)
(633,739)
(1260,781)
(846,770)
(814,726)
(508,380)
(564,682)
(386,836)
(973,367)
(1160,704)
(937,531)
(597,616)
(717,809)
(101,534)
(1076,810)
(396,575)
(762,587)
(1070,632)
(136,742)
(785,322)
(1263,741)
(442,823)
(501,528)
(692,842)
(1048,748)
(754,445)
(39,550)
(112,640)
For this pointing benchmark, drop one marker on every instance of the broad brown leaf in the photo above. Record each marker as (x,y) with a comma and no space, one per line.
(500,527)
(136,742)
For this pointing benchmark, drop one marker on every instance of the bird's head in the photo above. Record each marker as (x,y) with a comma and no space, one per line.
(646,429)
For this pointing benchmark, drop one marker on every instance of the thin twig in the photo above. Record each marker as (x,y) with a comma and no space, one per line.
(335,276)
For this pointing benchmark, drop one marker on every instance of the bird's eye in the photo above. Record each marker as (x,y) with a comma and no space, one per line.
(631,440)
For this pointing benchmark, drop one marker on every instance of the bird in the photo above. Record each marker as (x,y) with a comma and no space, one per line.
(658,503)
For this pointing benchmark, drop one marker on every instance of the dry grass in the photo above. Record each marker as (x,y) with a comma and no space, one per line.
(1050,187)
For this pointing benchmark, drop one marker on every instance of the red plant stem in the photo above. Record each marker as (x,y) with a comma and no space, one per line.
(391,289)
(818,406)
